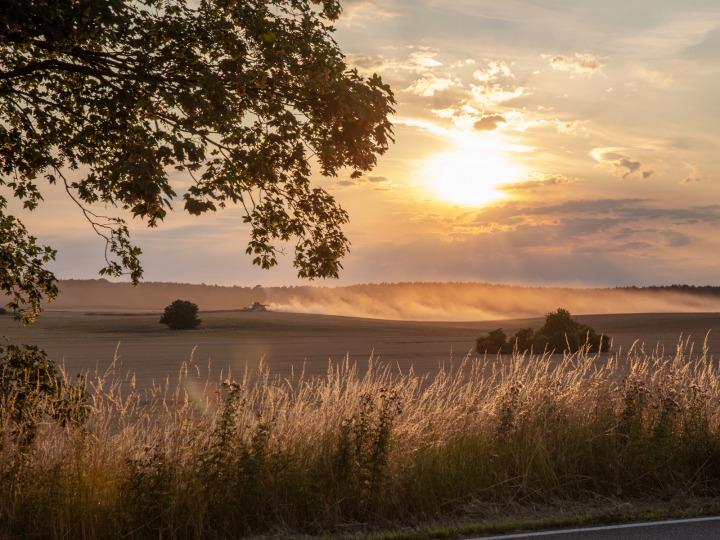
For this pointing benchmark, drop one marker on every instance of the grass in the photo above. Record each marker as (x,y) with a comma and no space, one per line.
(504,520)
(366,451)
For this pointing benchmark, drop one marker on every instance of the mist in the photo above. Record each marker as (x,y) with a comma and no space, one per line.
(477,301)
(408,301)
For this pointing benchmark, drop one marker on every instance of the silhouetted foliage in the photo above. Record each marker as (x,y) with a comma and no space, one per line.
(494,342)
(702,290)
(523,339)
(32,387)
(181,315)
(560,333)
(107,97)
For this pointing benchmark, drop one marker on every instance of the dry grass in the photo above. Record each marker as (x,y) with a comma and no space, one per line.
(362,450)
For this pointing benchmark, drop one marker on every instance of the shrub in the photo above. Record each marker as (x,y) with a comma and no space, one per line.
(523,339)
(181,315)
(560,333)
(32,388)
(494,342)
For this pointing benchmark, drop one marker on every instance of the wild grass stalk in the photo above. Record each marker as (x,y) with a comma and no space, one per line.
(200,458)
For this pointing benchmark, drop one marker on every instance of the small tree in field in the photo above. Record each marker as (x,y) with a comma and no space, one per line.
(560,333)
(494,342)
(181,315)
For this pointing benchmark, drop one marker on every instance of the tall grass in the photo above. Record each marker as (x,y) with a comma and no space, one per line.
(363,448)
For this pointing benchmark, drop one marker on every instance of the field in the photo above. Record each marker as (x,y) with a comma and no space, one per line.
(349,451)
(85,340)
(353,451)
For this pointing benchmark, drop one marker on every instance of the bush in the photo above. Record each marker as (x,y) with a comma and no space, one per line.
(494,342)
(181,315)
(32,388)
(560,333)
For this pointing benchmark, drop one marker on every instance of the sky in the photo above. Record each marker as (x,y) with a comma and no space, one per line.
(550,142)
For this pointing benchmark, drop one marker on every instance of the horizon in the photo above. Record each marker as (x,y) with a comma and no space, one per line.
(336,284)
(426,301)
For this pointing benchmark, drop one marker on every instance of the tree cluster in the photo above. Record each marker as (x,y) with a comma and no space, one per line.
(560,333)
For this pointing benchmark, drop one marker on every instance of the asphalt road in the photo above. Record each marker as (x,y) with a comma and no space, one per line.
(705,528)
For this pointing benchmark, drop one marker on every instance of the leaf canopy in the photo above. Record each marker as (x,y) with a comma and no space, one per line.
(239,98)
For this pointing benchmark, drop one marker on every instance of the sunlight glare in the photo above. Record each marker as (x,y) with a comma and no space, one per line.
(472,173)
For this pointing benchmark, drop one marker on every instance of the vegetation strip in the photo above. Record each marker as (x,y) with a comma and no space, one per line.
(355,449)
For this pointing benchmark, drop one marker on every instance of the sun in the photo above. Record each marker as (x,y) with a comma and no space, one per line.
(471,174)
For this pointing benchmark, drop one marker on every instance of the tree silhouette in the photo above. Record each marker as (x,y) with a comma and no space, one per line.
(107,97)
(181,315)
(560,333)
(494,342)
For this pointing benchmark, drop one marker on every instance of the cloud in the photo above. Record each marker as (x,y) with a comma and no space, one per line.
(556,242)
(620,240)
(489,122)
(567,127)
(493,72)
(693,175)
(424,59)
(378,182)
(581,63)
(489,95)
(362,12)
(368,62)
(533,184)
(656,77)
(676,239)
(707,48)
(428,84)
(619,211)
(420,61)
(496,84)
(492,258)
(621,164)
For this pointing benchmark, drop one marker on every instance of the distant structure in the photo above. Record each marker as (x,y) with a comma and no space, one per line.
(256,306)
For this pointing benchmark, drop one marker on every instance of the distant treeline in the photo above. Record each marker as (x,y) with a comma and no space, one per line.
(458,301)
(708,290)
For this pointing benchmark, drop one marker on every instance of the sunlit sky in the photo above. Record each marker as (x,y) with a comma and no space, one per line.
(543,142)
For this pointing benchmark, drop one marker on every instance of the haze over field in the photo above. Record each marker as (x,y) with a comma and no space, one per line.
(414,301)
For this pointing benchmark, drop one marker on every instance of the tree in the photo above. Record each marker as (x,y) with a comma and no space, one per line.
(494,342)
(181,315)
(563,333)
(559,333)
(107,97)
(522,340)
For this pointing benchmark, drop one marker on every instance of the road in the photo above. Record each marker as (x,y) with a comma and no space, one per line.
(704,528)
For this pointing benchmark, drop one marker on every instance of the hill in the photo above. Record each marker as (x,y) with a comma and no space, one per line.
(410,301)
